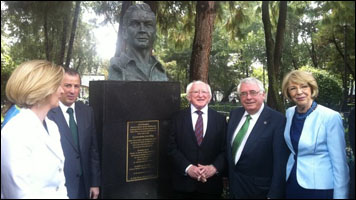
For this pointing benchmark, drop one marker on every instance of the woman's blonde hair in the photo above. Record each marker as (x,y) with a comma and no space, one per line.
(300,77)
(32,82)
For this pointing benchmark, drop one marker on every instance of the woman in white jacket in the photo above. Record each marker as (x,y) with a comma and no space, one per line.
(31,154)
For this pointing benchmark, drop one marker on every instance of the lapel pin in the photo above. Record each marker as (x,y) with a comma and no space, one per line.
(265,122)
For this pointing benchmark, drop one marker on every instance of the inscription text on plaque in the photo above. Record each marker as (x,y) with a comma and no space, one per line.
(142,150)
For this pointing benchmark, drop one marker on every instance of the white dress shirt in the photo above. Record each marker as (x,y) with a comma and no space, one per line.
(253,121)
(204,116)
(64,109)
(194,121)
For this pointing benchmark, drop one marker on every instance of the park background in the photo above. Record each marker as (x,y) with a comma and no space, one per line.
(217,42)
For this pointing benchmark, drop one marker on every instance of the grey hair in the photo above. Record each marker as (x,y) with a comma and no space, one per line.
(250,80)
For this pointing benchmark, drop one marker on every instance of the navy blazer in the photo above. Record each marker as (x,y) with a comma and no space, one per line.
(88,152)
(260,171)
(184,150)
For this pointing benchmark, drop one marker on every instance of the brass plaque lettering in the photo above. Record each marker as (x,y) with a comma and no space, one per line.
(142,150)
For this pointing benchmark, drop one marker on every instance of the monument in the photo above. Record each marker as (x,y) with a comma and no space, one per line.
(132,113)
(133,122)
(136,62)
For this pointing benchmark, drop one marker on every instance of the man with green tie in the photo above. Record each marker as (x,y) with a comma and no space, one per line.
(256,151)
(75,121)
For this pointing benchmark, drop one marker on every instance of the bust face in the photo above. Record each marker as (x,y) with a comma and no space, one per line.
(141,30)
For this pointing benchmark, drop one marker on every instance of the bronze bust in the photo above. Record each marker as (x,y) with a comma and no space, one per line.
(136,63)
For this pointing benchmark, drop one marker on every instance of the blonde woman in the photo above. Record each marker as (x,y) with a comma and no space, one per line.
(31,154)
(317,166)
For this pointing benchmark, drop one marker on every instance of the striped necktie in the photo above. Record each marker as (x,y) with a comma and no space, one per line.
(240,136)
(199,127)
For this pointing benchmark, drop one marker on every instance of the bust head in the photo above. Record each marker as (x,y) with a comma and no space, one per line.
(140,26)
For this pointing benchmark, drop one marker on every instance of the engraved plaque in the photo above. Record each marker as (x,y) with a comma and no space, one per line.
(121,109)
(142,150)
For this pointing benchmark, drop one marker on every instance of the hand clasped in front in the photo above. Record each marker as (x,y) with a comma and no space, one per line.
(201,172)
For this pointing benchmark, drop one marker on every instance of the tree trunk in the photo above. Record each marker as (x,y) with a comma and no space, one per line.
(79,63)
(227,93)
(273,53)
(204,26)
(120,44)
(351,70)
(45,27)
(72,35)
(64,40)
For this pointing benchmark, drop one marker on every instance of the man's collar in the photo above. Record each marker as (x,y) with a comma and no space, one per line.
(64,108)
(257,113)
(204,109)
(125,59)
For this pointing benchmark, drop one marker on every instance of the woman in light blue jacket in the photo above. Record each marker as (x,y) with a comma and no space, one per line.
(317,166)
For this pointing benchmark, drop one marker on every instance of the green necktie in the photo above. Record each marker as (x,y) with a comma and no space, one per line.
(240,135)
(73,126)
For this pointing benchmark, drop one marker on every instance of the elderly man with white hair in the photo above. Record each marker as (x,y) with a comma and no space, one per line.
(197,146)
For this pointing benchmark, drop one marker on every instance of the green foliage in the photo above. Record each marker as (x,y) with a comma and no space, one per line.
(173,16)
(336,17)
(184,103)
(7,66)
(330,90)
(312,33)
(224,107)
(26,22)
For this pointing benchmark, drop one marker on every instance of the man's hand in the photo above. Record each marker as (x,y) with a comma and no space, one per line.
(206,171)
(94,192)
(194,172)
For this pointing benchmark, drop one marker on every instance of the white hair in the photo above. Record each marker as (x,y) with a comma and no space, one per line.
(189,87)
(251,80)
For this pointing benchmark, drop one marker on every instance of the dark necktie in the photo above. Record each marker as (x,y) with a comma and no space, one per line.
(199,127)
(73,126)
(240,135)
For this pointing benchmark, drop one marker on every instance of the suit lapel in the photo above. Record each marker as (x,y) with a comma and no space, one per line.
(63,126)
(257,131)
(210,126)
(80,122)
(52,140)
(189,125)
(235,120)
(290,115)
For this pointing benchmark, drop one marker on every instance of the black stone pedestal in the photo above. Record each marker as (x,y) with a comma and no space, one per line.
(132,120)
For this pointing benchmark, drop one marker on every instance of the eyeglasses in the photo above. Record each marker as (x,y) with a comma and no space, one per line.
(252,93)
(196,92)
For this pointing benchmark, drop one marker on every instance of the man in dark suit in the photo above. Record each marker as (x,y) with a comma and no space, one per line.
(256,150)
(352,144)
(197,146)
(78,139)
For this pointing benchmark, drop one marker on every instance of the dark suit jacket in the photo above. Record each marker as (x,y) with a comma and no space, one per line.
(184,150)
(260,171)
(87,156)
(352,144)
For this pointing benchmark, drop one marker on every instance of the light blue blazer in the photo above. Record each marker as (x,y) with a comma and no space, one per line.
(321,152)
